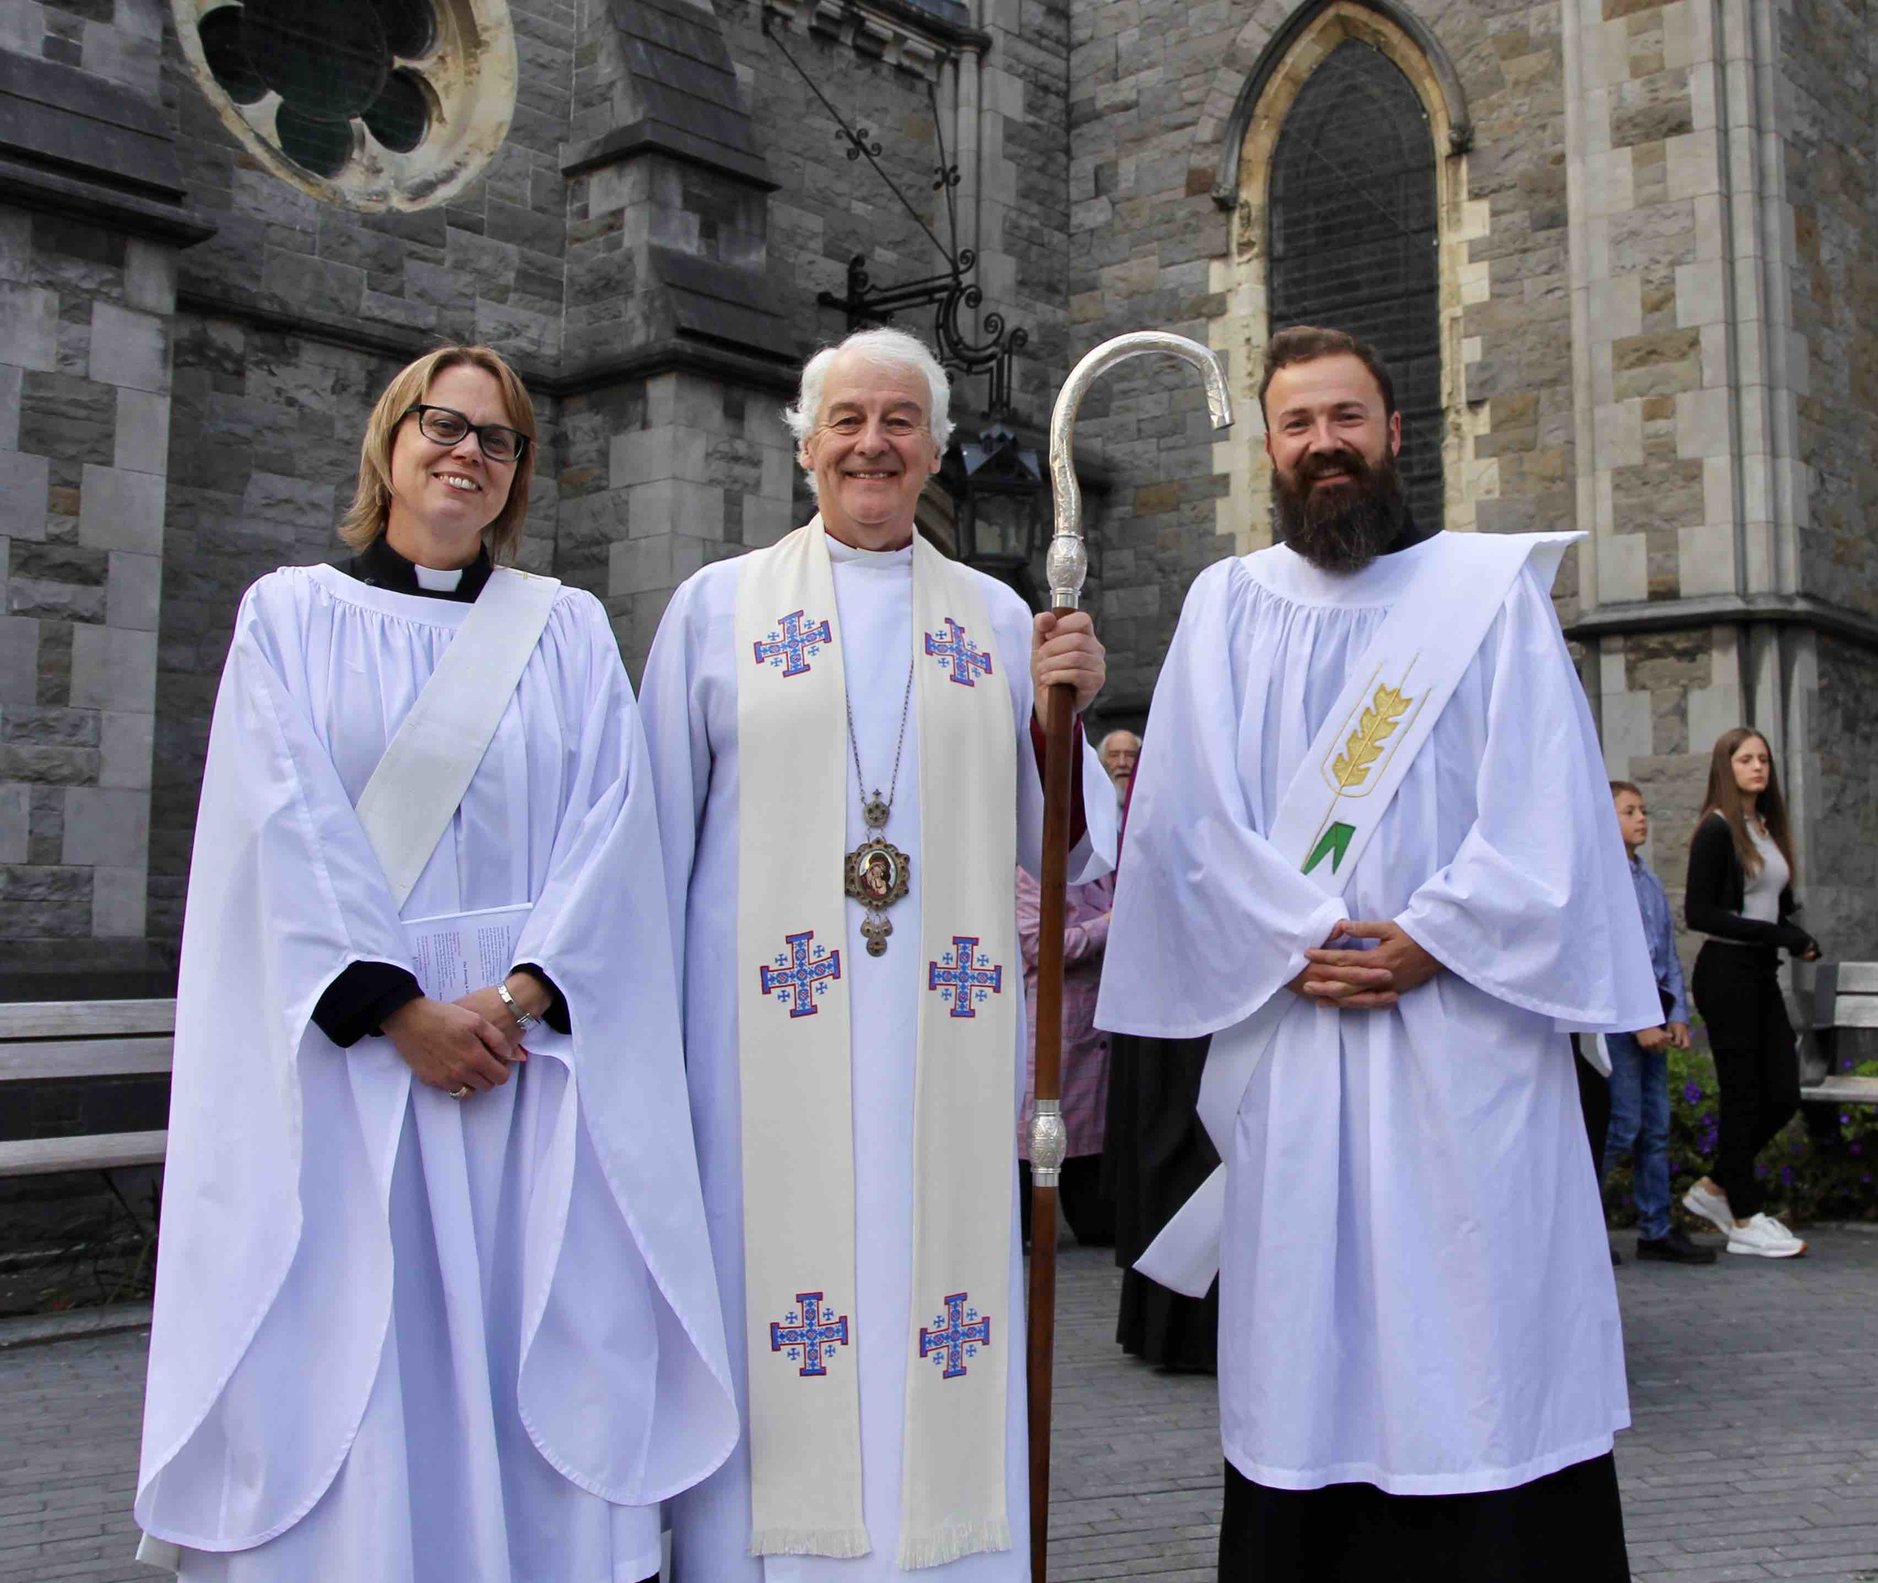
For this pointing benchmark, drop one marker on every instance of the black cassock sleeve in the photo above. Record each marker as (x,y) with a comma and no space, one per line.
(359,1000)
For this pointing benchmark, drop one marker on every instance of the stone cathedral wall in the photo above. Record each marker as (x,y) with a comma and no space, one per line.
(1828,65)
(1658,294)
(1828,60)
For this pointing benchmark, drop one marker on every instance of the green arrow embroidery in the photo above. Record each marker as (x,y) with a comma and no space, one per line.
(1335,841)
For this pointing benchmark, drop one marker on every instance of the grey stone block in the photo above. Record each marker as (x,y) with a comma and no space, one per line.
(29,326)
(19,660)
(121,510)
(129,348)
(113,668)
(141,443)
(106,826)
(22,495)
(117,901)
(12,382)
(133,590)
(15,814)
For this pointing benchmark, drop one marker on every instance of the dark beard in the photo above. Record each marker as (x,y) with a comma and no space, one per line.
(1341,530)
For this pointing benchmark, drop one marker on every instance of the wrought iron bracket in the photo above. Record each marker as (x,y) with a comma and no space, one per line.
(951,293)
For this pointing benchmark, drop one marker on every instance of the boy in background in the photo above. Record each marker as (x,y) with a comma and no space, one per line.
(1640,1061)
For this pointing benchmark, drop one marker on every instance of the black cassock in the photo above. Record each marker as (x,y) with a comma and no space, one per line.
(1155,1155)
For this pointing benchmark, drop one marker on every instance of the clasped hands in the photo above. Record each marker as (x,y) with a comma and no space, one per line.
(467,1043)
(1367,979)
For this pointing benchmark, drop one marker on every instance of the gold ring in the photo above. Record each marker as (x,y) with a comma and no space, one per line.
(460,1092)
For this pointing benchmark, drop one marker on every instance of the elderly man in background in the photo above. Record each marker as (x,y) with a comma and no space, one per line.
(1120,752)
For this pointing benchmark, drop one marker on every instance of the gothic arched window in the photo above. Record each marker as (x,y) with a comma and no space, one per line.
(1355,235)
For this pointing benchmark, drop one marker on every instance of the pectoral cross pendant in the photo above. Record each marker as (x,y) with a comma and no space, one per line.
(875,874)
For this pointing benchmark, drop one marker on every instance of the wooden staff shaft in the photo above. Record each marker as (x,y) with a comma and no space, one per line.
(1059,759)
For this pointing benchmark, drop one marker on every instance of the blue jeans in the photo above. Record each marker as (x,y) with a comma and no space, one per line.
(1640,1127)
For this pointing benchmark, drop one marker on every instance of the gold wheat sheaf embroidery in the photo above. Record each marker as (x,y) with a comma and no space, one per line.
(1378,724)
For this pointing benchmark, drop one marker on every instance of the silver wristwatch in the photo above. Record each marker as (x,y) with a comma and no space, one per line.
(523,1019)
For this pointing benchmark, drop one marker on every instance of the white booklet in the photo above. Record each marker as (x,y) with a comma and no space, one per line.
(457,952)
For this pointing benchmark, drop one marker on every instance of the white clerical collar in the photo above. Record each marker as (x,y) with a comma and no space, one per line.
(438,581)
(850,555)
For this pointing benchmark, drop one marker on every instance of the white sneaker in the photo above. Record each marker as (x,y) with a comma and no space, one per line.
(1712,1206)
(1778,1228)
(1765,1238)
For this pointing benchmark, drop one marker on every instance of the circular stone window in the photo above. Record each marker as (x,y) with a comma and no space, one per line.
(378,104)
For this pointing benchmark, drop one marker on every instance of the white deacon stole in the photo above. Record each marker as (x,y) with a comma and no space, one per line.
(419,784)
(794,1058)
(1334,805)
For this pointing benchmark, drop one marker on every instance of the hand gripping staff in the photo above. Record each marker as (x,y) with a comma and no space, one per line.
(1065,568)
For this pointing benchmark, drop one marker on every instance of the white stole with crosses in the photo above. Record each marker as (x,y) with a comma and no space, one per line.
(794,1055)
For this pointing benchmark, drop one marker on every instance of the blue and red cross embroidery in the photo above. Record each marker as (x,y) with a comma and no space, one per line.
(808,1335)
(790,645)
(957,653)
(801,973)
(965,976)
(955,1336)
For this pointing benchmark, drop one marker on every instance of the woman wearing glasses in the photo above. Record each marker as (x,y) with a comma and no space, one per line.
(434,1299)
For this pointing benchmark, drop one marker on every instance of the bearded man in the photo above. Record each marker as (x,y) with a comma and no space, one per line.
(1371,853)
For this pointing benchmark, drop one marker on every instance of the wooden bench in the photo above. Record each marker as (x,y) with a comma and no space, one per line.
(1845,999)
(86,1038)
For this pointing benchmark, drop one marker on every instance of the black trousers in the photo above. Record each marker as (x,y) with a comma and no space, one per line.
(1737,991)
(1567,1527)
(1089,1211)
(1594,1098)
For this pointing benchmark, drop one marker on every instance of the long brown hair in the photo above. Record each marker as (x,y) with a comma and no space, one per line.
(371,505)
(1724,797)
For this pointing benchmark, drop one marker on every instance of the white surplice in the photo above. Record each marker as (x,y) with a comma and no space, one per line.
(400,1336)
(1415,1289)
(689,695)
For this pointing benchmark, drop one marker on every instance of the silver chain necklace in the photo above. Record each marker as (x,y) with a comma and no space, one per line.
(876,872)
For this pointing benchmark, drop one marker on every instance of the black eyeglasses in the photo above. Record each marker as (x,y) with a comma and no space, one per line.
(447,426)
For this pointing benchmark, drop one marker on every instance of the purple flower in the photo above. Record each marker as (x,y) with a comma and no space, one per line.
(1692,1091)
(1760,1171)
(1786,1176)
(1857,1148)
(1844,1119)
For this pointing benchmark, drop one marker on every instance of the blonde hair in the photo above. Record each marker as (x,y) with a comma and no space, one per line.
(364,523)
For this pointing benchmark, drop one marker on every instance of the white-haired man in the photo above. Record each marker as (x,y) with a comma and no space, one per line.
(846,756)
(1120,752)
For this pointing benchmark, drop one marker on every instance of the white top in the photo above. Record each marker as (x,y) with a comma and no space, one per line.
(366,1283)
(690,701)
(1760,892)
(1415,1285)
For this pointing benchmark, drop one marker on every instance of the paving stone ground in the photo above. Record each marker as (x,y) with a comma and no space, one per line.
(1754,1386)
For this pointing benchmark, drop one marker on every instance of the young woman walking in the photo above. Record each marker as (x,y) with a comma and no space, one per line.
(1740,897)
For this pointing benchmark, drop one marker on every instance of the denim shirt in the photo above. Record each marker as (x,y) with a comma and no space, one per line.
(1661,934)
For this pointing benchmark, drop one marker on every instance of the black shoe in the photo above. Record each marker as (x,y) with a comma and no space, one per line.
(1616,1258)
(1676,1248)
